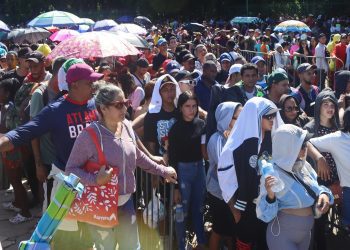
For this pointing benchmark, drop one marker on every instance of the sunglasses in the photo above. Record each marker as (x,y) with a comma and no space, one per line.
(270,117)
(291,109)
(121,104)
(189,82)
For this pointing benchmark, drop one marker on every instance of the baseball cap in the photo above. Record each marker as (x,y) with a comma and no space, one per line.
(166,80)
(225,57)
(257,59)
(36,56)
(188,57)
(2,53)
(321,35)
(235,68)
(161,41)
(142,63)
(82,71)
(62,72)
(182,74)
(172,67)
(305,67)
(275,77)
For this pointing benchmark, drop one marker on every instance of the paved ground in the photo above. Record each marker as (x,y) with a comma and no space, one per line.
(11,235)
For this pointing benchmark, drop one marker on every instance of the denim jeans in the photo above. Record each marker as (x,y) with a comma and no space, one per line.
(191,178)
(346,206)
(125,234)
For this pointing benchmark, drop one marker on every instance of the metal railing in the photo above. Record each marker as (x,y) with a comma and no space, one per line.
(156,230)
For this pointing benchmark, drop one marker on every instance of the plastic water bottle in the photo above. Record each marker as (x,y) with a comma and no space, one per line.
(179,213)
(267,170)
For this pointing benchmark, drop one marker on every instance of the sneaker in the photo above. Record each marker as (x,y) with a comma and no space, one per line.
(20,219)
(10,206)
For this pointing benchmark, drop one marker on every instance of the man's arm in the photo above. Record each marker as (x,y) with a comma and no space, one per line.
(5,144)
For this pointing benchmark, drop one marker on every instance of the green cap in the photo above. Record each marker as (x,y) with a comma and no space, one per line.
(275,77)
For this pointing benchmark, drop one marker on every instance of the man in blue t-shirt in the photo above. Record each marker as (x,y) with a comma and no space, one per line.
(64,120)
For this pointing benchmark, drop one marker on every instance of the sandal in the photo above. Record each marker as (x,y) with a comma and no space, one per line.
(20,219)
(10,206)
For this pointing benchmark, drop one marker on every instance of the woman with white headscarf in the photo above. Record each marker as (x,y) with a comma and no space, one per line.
(238,173)
(290,211)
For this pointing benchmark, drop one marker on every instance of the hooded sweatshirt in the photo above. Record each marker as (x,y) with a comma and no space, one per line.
(301,120)
(285,159)
(237,167)
(316,129)
(223,115)
(341,81)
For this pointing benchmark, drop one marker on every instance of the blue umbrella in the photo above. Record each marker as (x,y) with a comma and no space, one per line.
(246,19)
(3,27)
(55,18)
(125,19)
(105,24)
(292,26)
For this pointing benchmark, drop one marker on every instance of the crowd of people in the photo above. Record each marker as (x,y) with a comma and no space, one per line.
(200,109)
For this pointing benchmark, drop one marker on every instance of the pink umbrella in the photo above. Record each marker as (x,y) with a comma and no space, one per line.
(63,34)
(94,44)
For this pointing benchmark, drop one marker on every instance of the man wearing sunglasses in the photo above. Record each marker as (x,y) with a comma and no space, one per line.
(186,80)
(306,92)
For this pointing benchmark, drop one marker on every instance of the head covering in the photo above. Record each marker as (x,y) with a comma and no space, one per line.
(156,101)
(161,41)
(2,53)
(172,67)
(292,138)
(224,113)
(44,49)
(235,68)
(275,77)
(257,59)
(82,71)
(182,74)
(305,67)
(326,94)
(282,101)
(248,125)
(225,57)
(277,45)
(36,56)
(342,78)
(62,72)
(142,63)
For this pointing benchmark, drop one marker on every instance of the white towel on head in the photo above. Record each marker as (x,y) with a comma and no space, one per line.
(156,101)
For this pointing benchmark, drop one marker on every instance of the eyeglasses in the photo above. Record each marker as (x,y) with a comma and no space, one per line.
(270,117)
(291,109)
(189,82)
(121,104)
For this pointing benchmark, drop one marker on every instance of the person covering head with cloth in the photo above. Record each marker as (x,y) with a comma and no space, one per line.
(289,212)
(238,172)
(277,85)
(119,147)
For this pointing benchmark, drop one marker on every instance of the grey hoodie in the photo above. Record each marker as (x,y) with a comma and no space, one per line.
(223,115)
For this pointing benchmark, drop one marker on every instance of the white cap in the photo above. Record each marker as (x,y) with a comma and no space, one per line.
(235,68)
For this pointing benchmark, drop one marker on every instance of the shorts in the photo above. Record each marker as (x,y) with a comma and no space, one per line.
(223,221)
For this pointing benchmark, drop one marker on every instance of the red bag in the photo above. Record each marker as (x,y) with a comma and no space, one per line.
(98,205)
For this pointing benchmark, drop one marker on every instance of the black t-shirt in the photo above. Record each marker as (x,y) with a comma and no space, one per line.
(221,77)
(13,74)
(157,126)
(159,59)
(185,141)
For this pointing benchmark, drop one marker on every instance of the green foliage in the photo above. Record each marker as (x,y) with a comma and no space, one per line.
(21,11)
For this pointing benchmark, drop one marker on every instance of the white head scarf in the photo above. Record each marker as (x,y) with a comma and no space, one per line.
(156,101)
(286,145)
(248,125)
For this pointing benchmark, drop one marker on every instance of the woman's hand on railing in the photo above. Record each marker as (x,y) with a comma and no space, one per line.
(170,175)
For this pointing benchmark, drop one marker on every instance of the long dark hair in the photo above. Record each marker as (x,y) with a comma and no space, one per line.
(346,121)
(184,97)
(127,83)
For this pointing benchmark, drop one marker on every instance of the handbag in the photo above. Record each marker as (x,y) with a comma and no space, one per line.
(97,205)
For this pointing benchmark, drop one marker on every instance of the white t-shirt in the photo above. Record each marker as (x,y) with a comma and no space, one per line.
(249,95)
(338,144)
(321,61)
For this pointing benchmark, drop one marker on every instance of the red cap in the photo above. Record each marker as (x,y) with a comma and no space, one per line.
(82,71)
